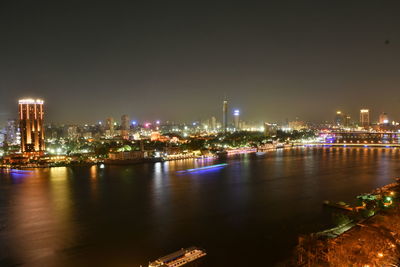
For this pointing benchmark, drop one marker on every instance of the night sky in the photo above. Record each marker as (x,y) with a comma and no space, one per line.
(176,60)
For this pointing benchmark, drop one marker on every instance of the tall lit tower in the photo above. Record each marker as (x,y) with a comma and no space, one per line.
(225,115)
(125,126)
(31,126)
(364,118)
(236,114)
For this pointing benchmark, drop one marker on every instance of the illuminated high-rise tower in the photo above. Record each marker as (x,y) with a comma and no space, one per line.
(225,116)
(31,126)
(364,118)
(110,127)
(236,114)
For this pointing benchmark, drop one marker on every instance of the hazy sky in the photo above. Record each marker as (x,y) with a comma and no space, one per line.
(177,59)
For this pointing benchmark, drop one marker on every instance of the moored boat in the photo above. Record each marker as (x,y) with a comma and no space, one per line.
(179,258)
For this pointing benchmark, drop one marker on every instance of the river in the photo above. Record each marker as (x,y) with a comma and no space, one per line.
(246,213)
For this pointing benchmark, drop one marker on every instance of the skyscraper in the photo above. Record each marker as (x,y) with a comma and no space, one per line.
(110,127)
(383,118)
(11,133)
(225,115)
(347,120)
(236,114)
(339,118)
(125,127)
(364,118)
(31,126)
(213,123)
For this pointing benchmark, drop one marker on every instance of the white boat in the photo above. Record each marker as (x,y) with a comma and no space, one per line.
(179,258)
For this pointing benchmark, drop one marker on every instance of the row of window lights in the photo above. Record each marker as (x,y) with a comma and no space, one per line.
(365,142)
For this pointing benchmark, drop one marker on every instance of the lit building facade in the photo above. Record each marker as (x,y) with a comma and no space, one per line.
(31,115)
(225,116)
(347,121)
(362,138)
(12,136)
(342,119)
(297,125)
(339,118)
(383,118)
(364,118)
(110,127)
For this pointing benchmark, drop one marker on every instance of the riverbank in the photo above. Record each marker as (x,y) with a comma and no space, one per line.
(374,241)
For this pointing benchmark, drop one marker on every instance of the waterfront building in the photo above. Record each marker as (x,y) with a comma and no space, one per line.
(225,116)
(236,115)
(362,138)
(127,155)
(31,126)
(383,118)
(364,118)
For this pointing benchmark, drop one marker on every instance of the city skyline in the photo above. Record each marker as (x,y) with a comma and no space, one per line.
(229,114)
(276,62)
(204,133)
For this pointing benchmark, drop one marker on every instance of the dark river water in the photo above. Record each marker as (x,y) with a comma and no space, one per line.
(246,213)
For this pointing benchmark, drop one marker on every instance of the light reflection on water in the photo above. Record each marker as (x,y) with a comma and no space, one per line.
(128,215)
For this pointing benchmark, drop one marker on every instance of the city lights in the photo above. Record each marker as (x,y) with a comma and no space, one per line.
(131,130)
(31,101)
